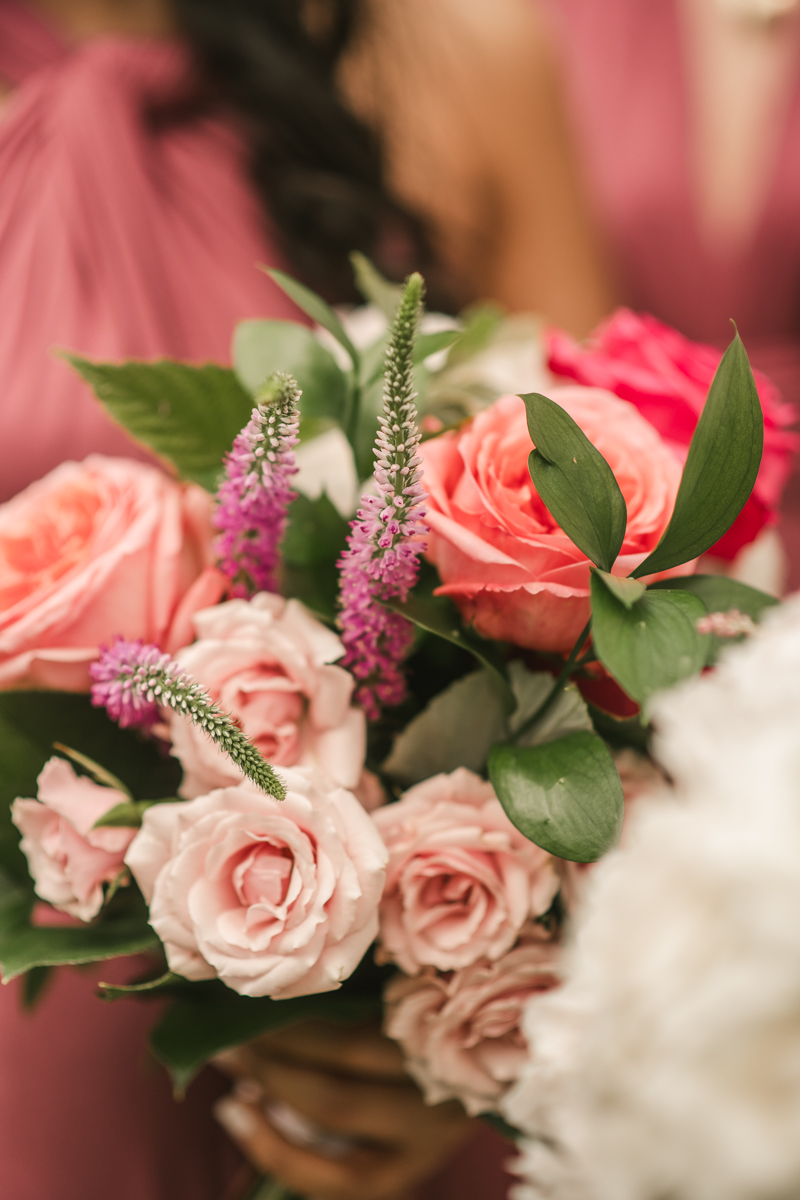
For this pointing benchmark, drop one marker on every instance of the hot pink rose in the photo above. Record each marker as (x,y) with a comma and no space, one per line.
(461,1034)
(499,553)
(667,377)
(269,664)
(70,861)
(276,898)
(461,880)
(95,549)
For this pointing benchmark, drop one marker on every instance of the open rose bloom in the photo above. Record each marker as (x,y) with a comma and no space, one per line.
(271,664)
(68,859)
(499,553)
(275,898)
(97,549)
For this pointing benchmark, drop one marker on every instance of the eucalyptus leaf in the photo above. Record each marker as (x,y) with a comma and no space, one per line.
(263,347)
(318,309)
(651,645)
(187,415)
(566,795)
(575,482)
(721,466)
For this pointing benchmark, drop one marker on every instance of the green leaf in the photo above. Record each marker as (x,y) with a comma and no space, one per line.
(720,594)
(575,482)
(24,946)
(262,347)
(620,731)
(314,539)
(438,615)
(430,343)
(99,774)
(34,986)
(651,645)
(565,796)
(317,309)
(187,415)
(721,467)
(373,287)
(628,591)
(129,816)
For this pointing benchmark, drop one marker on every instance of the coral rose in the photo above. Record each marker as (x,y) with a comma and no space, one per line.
(97,549)
(268,663)
(69,861)
(275,898)
(499,553)
(461,1035)
(667,377)
(461,880)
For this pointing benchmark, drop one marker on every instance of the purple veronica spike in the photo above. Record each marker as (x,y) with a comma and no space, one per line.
(255,494)
(381,561)
(131,681)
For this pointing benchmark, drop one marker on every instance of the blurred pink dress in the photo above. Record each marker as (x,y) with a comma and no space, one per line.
(626,73)
(117,239)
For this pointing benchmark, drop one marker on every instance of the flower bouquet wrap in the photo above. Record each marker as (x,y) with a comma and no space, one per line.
(317,762)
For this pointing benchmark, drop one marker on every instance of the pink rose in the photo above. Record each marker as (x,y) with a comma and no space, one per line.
(268,663)
(499,553)
(461,880)
(275,898)
(70,861)
(461,1035)
(94,550)
(667,377)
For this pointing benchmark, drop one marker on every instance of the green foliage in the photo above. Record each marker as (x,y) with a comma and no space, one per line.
(316,308)
(565,796)
(373,287)
(721,467)
(209,1017)
(650,645)
(262,347)
(627,591)
(123,929)
(129,816)
(187,415)
(315,538)
(575,482)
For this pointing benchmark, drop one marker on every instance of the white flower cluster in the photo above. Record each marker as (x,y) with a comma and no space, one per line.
(669,1064)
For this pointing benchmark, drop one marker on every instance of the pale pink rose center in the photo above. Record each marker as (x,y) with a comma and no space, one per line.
(269,708)
(47,542)
(262,876)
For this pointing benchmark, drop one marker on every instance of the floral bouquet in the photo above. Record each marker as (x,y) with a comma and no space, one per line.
(321,764)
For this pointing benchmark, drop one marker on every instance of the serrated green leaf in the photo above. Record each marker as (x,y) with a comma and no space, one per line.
(187,415)
(651,645)
(575,482)
(721,467)
(565,796)
(316,308)
(374,287)
(626,590)
(438,615)
(263,347)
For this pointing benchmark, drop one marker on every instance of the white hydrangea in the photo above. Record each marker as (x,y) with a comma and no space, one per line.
(669,1065)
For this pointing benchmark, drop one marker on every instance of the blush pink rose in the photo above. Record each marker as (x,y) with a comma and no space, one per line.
(97,549)
(461,1034)
(275,898)
(69,861)
(461,880)
(269,663)
(666,377)
(499,553)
